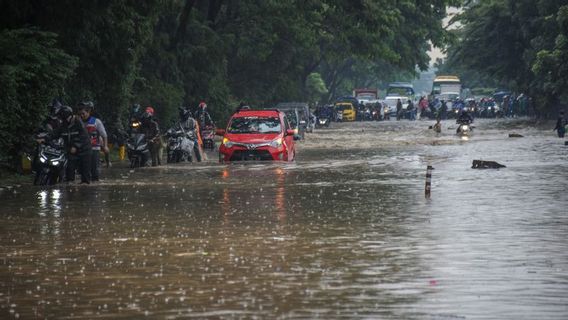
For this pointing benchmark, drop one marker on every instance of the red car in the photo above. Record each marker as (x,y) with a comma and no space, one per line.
(257,135)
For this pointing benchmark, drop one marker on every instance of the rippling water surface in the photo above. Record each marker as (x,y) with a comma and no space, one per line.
(344,232)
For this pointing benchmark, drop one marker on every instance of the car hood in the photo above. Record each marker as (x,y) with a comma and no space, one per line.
(252,138)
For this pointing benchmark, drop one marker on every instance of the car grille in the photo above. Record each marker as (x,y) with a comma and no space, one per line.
(240,155)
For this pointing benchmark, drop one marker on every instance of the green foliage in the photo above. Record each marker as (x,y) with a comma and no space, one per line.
(516,44)
(552,65)
(168,53)
(32,70)
(315,88)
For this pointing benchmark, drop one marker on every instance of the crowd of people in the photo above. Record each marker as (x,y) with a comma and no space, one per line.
(85,137)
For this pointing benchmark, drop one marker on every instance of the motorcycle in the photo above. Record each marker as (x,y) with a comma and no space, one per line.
(137,147)
(464,128)
(51,162)
(322,122)
(208,137)
(179,145)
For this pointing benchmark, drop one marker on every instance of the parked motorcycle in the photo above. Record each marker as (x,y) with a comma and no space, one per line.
(208,137)
(50,163)
(137,147)
(179,145)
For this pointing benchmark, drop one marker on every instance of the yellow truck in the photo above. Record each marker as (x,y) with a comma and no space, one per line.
(345,111)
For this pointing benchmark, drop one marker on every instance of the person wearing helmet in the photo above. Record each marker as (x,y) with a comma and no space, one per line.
(151,130)
(99,140)
(52,122)
(77,143)
(202,116)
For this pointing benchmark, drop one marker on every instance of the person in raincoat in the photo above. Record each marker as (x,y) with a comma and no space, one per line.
(560,127)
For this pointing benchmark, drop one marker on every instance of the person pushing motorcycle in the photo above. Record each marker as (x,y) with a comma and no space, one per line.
(188,125)
(152,132)
(77,143)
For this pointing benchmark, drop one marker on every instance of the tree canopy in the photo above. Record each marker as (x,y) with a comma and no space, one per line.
(518,44)
(169,53)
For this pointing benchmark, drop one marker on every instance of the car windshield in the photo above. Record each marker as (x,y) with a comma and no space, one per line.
(343,107)
(255,125)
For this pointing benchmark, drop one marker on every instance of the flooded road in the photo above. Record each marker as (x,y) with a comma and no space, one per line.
(344,232)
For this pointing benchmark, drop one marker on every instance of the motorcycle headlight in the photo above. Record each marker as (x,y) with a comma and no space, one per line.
(227,143)
(465,128)
(276,143)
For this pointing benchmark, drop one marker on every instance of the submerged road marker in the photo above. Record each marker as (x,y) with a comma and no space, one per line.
(428,182)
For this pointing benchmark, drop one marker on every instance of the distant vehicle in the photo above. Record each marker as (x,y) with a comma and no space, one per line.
(306,124)
(446,87)
(346,111)
(257,135)
(366,96)
(399,90)
(403,89)
(500,94)
(350,99)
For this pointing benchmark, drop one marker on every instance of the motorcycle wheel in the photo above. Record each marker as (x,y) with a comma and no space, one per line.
(170,157)
(42,178)
(53,178)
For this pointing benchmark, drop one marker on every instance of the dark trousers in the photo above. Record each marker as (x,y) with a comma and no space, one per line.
(95,165)
(155,153)
(82,163)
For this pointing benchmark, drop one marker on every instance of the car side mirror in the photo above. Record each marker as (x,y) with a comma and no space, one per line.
(220,132)
(290,132)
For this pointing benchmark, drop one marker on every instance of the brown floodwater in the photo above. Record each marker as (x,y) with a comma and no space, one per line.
(343,232)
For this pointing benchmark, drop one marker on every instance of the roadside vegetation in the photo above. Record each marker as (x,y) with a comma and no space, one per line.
(521,45)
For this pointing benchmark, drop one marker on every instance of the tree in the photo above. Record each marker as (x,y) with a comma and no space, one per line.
(32,71)
(517,43)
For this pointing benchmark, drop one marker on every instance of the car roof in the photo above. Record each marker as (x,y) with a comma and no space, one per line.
(257,113)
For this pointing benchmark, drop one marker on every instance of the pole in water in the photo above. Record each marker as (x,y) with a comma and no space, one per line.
(428,182)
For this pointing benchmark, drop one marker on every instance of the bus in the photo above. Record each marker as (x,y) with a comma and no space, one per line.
(446,88)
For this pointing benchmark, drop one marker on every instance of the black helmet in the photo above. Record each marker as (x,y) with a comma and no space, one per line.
(88,105)
(64,112)
(184,113)
(54,106)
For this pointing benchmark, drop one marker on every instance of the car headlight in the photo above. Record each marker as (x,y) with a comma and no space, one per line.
(42,159)
(55,163)
(276,143)
(227,143)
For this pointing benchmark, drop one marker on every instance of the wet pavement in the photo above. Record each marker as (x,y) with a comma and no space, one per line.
(343,232)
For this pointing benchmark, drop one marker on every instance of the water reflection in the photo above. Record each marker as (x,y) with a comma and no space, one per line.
(49,210)
(245,191)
